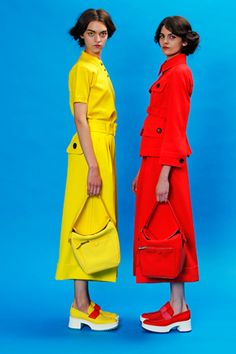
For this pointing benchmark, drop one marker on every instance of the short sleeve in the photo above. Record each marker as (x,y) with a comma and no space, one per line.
(80,82)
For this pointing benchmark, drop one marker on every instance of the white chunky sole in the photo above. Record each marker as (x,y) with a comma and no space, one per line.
(182,326)
(76,323)
(142,318)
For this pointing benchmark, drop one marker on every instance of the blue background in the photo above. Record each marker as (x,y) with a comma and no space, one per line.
(36,126)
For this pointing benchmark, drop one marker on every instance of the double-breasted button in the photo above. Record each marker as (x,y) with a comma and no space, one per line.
(159,130)
(157,85)
(181,160)
(74,146)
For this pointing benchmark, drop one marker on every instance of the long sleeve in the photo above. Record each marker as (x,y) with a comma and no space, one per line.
(175,144)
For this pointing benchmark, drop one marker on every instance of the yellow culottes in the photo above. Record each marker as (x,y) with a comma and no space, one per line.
(102,134)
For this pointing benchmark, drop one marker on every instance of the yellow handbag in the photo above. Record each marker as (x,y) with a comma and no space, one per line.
(97,251)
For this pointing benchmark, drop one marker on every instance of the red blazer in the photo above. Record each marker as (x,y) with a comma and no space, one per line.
(164,130)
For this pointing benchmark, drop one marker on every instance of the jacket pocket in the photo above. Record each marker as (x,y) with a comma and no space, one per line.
(154,129)
(152,137)
(74,147)
(157,87)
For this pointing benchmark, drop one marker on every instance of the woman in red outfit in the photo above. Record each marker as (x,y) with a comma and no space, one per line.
(163,174)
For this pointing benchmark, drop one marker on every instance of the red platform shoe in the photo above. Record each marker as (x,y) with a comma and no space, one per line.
(157,315)
(181,321)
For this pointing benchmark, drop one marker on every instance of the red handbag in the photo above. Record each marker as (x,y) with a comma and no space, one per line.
(162,256)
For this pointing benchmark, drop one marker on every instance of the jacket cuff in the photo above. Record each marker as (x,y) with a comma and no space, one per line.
(173,161)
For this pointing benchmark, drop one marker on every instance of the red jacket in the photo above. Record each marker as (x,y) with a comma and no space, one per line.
(164,130)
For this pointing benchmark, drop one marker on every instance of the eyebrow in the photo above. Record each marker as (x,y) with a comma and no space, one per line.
(90,30)
(168,33)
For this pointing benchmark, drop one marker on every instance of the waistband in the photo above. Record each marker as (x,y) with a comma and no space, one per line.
(102,126)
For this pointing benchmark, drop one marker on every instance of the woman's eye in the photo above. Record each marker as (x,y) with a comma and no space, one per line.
(172,36)
(90,34)
(103,34)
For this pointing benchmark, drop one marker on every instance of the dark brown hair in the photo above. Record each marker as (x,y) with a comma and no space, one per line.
(180,27)
(88,16)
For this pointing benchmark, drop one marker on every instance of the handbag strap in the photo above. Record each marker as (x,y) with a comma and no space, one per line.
(153,211)
(84,203)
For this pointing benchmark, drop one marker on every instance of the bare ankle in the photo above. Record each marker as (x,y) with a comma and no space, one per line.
(81,305)
(178,306)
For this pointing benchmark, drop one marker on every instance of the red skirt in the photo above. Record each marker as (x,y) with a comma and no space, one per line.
(179,197)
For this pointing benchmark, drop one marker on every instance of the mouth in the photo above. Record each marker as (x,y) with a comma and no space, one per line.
(165,48)
(97,46)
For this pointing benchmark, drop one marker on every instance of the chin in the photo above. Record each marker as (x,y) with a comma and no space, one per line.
(167,52)
(97,51)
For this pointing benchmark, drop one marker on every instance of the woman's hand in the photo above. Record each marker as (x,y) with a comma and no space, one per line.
(162,190)
(163,185)
(134,183)
(94,181)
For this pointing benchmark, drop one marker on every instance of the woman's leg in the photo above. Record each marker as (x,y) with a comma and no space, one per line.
(81,295)
(177,297)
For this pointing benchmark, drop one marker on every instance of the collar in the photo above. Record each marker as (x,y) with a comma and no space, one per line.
(176,60)
(90,58)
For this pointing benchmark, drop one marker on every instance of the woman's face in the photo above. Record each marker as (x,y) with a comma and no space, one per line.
(95,38)
(170,43)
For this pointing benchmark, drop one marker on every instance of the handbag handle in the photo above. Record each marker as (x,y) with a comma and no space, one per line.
(153,212)
(83,205)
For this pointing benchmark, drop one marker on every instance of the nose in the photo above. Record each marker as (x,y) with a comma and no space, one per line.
(97,38)
(165,39)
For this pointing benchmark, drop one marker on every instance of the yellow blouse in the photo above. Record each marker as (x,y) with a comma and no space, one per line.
(90,83)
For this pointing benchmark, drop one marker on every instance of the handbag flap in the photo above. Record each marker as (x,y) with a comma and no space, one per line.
(77,239)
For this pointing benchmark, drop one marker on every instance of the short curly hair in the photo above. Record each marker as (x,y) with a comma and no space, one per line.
(180,27)
(88,16)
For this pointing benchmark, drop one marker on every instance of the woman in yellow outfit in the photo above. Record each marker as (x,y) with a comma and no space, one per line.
(91,163)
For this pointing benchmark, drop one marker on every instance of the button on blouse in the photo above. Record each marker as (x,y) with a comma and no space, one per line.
(90,83)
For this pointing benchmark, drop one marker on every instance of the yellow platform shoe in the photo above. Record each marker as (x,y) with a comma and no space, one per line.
(94,319)
(105,313)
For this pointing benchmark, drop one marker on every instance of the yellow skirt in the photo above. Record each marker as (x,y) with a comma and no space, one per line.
(102,135)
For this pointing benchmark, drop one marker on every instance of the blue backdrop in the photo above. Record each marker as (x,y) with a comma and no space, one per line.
(36,126)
